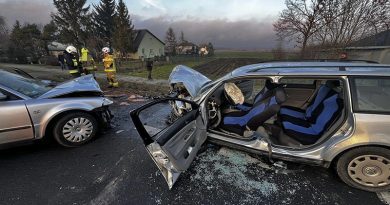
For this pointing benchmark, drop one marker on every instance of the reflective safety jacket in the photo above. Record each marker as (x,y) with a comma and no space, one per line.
(84,55)
(109,63)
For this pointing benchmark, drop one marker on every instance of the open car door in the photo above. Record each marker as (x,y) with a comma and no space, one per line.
(172,137)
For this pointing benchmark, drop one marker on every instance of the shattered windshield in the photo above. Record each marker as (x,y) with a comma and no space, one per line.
(30,87)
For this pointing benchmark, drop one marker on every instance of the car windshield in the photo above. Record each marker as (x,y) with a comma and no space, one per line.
(30,87)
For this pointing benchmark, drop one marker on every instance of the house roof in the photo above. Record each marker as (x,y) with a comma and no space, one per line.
(139,35)
(55,46)
(186,43)
(379,39)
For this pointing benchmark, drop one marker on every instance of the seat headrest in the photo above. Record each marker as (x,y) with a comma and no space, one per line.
(332,84)
(269,85)
(280,95)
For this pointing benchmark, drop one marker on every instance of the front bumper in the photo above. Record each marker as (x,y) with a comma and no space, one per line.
(104,114)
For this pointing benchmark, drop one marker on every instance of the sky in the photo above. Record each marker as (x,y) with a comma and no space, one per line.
(228,24)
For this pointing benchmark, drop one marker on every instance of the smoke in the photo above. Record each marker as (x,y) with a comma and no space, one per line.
(250,34)
(36,11)
(242,34)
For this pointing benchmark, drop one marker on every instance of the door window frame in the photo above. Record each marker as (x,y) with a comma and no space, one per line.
(354,95)
(137,121)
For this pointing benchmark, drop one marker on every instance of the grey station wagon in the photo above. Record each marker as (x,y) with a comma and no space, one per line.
(30,109)
(330,114)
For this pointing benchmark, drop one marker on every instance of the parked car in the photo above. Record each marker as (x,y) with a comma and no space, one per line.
(329,114)
(31,109)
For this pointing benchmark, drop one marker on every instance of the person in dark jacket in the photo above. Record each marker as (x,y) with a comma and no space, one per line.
(61,60)
(71,61)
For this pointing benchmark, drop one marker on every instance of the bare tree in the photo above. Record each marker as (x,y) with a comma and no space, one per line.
(300,21)
(170,42)
(343,22)
(3,36)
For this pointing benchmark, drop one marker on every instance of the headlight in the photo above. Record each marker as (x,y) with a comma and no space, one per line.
(107,102)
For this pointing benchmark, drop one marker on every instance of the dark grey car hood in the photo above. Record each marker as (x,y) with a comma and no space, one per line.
(81,84)
(191,79)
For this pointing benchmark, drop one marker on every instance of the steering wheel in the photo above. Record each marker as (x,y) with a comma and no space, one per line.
(233,94)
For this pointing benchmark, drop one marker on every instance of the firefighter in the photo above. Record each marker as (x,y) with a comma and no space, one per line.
(72,62)
(88,62)
(109,67)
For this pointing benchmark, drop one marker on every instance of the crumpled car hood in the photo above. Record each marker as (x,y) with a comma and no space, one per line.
(191,79)
(81,84)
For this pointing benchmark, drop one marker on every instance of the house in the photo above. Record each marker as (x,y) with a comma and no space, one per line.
(206,49)
(56,48)
(186,48)
(374,48)
(146,45)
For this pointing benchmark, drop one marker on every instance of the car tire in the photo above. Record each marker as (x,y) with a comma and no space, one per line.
(75,129)
(365,168)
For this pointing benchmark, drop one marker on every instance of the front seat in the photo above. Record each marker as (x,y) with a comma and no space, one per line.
(238,122)
(264,93)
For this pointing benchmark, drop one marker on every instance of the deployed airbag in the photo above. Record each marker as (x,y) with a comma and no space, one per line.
(233,93)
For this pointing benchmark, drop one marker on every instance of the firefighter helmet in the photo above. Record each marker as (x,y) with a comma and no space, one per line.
(71,49)
(106,50)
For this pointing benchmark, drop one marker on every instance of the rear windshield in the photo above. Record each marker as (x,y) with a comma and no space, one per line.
(30,87)
(371,94)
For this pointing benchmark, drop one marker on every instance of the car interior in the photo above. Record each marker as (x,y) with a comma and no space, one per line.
(295,112)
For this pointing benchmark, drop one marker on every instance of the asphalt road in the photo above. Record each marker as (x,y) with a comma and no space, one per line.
(115,169)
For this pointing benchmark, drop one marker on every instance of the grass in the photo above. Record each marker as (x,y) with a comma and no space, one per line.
(243,54)
(163,71)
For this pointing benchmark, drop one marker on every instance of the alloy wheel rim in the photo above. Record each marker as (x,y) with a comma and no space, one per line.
(370,170)
(77,129)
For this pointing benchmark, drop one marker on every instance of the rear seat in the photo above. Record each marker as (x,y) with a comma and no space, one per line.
(323,91)
(307,126)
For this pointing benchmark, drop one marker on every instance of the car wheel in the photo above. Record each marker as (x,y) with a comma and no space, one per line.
(366,168)
(75,129)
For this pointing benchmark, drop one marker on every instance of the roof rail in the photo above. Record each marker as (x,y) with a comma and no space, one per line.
(323,60)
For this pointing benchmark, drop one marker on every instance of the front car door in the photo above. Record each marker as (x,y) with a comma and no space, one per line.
(15,122)
(172,137)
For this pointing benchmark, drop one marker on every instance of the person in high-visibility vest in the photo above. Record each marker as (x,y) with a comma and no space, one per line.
(72,62)
(109,67)
(88,62)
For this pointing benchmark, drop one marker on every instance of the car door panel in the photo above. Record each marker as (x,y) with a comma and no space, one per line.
(15,122)
(172,148)
(297,94)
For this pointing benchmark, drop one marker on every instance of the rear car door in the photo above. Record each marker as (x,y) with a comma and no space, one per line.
(15,122)
(172,137)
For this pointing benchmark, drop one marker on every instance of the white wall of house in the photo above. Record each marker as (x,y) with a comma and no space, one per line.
(150,47)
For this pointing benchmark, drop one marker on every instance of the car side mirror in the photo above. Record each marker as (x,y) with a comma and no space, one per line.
(2,96)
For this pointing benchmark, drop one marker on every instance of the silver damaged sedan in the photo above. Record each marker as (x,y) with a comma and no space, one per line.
(31,109)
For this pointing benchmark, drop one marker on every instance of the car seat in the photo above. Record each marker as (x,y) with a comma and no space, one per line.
(264,93)
(323,91)
(309,130)
(238,122)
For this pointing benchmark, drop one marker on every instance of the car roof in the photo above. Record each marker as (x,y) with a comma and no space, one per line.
(314,68)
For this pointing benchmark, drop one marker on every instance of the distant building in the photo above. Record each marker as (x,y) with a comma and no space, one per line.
(146,45)
(375,48)
(56,48)
(186,48)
